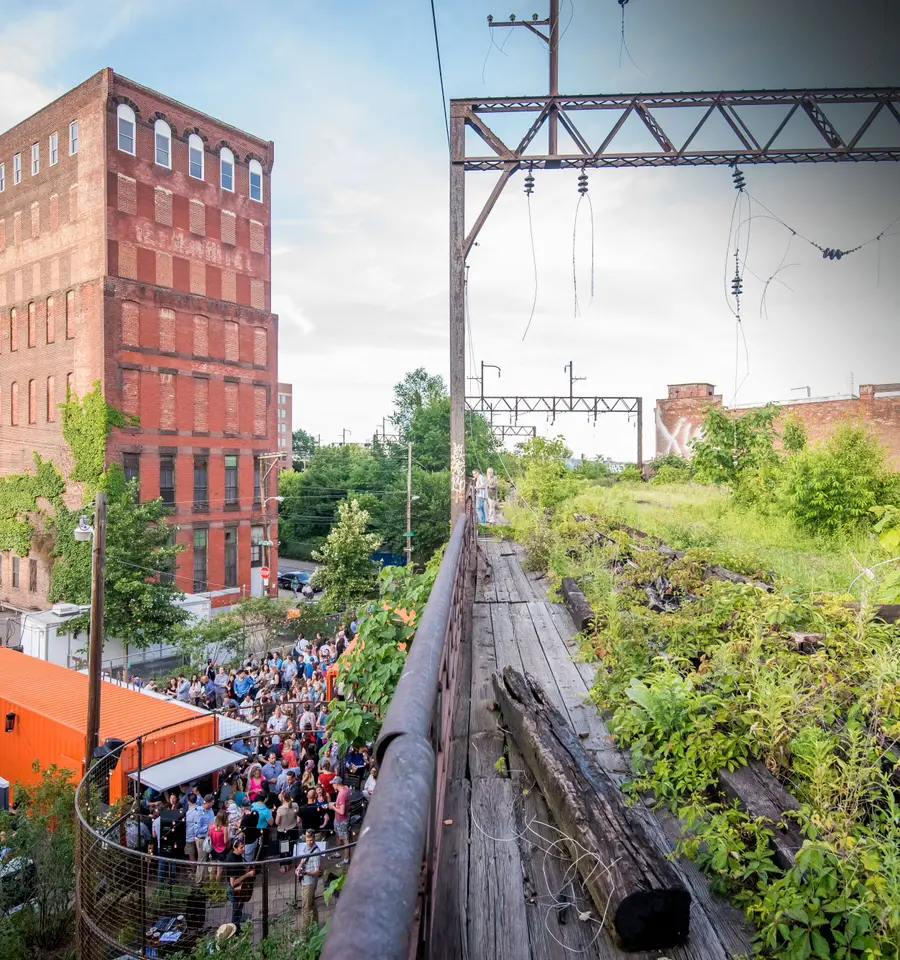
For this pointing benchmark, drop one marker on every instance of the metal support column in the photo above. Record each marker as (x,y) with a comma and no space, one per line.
(457,318)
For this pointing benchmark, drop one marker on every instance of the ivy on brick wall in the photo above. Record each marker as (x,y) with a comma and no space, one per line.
(24,502)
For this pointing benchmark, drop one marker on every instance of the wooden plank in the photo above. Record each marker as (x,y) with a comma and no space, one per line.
(449,936)
(533,660)
(485,749)
(576,603)
(484,664)
(486,591)
(498,927)
(524,585)
(504,638)
(459,729)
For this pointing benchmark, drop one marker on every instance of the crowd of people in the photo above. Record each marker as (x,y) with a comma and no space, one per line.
(295,797)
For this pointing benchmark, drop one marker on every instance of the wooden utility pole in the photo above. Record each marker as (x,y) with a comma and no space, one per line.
(409,530)
(457,321)
(95,641)
(271,461)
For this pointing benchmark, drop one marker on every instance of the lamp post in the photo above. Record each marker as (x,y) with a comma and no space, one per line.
(84,532)
(268,542)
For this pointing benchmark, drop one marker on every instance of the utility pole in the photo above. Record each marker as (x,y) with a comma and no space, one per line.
(271,461)
(570,367)
(409,530)
(344,432)
(490,366)
(95,642)
(640,433)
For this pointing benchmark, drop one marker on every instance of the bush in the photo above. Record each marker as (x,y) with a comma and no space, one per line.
(832,488)
(672,469)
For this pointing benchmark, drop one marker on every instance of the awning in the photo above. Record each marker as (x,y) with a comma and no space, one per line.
(188,767)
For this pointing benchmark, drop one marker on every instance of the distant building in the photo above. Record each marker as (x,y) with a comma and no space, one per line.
(285,419)
(679,417)
(135,251)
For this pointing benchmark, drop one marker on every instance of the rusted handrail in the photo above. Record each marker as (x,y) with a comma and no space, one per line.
(384,894)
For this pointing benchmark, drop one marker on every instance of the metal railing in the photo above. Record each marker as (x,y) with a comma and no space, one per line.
(389,889)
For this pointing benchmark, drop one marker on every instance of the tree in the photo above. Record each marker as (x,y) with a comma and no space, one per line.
(734,445)
(348,574)
(429,432)
(140,607)
(222,638)
(260,618)
(303,446)
(416,390)
(793,434)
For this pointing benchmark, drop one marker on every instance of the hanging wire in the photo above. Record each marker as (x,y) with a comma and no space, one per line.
(529,189)
(437,49)
(493,44)
(623,45)
(582,194)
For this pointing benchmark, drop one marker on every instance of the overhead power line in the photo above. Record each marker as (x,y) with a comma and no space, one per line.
(437,50)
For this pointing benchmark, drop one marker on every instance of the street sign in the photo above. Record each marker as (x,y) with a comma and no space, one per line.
(264,573)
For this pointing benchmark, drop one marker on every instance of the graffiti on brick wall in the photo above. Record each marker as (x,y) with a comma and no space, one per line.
(678,439)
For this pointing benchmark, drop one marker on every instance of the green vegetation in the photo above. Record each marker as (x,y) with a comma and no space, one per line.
(348,573)
(718,680)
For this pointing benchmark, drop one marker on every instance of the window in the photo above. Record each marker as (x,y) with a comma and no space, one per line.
(226,169)
(256,481)
(32,575)
(256,536)
(70,315)
(231,479)
(73,138)
(167,479)
(2,177)
(167,567)
(32,325)
(32,402)
(13,330)
(126,128)
(163,140)
(70,384)
(51,399)
(14,404)
(17,168)
(131,464)
(51,320)
(200,542)
(195,157)
(35,158)
(231,557)
(256,180)
(15,572)
(201,483)
(53,149)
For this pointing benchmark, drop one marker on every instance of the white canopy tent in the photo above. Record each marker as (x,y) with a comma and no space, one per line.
(188,767)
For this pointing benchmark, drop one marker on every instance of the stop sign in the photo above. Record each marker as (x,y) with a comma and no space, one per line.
(264,573)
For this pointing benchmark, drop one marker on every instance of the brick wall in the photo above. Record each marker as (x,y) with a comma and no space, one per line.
(679,417)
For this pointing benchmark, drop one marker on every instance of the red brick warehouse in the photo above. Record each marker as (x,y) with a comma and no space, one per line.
(136,251)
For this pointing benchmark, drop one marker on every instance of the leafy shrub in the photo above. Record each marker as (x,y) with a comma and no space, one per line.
(833,487)
(733,444)
(793,434)
(629,474)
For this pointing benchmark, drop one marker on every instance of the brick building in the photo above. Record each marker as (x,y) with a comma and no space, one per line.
(135,251)
(285,419)
(679,417)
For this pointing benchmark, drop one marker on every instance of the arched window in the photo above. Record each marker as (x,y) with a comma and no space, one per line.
(163,140)
(256,181)
(126,127)
(195,157)
(226,169)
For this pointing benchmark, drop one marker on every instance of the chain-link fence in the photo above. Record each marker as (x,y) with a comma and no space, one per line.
(148,892)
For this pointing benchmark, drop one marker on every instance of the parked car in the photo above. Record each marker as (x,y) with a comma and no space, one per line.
(16,884)
(287,579)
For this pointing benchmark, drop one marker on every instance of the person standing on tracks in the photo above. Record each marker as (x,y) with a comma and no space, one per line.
(480,496)
(492,486)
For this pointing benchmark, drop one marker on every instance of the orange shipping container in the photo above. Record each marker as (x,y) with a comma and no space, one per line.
(50,707)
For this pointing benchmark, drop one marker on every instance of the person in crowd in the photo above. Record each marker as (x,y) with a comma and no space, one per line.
(183,689)
(288,754)
(492,487)
(308,872)
(255,780)
(356,760)
(326,775)
(240,880)
(288,671)
(219,840)
(196,690)
(341,808)
(307,721)
(300,647)
(324,809)
(480,485)
(200,817)
(137,834)
(277,723)
(309,813)
(286,818)
(249,828)
(369,788)
(221,684)
(308,780)
(243,685)
(209,694)
(235,813)
(165,868)
(310,661)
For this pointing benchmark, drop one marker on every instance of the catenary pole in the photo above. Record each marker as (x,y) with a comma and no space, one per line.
(552,117)
(409,534)
(95,642)
(457,318)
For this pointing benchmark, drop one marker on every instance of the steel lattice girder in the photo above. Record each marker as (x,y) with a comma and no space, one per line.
(517,406)
(732,106)
(503,430)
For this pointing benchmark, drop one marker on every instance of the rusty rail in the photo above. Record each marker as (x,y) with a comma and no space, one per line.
(388,891)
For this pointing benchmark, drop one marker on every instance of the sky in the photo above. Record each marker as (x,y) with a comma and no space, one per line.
(350,95)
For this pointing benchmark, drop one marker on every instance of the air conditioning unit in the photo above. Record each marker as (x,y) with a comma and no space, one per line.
(66,609)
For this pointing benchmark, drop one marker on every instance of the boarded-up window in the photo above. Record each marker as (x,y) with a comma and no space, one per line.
(228,227)
(167,331)
(32,575)
(32,325)
(51,320)
(131,391)
(163,269)
(198,218)
(229,289)
(198,278)
(259,411)
(73,202)
(167,401)
(259,346)
(36,279)
(17,227)
(232,342)
(54,211)
(258,294)
(201,336)
(2,236)
(257,237)
(54,273)
(35,220)
(70,314)
(14,404)
(162,206)
(127,194)
(131,323)
(127,260)
(13,330)
(32,402)
(231,407)
(51,399)
(201,405)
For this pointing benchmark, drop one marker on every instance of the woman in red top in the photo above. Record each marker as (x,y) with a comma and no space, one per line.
(255,782)
(288,757)
(219,837)
(326,776)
